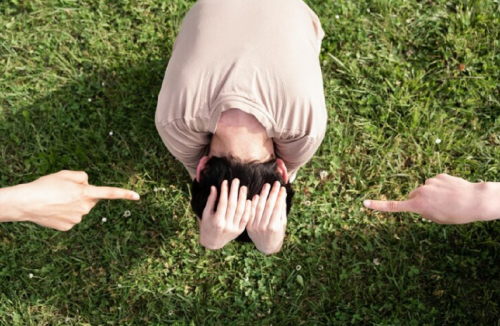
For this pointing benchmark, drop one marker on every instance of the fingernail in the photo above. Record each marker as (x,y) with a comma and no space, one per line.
(367,203)
(135,196)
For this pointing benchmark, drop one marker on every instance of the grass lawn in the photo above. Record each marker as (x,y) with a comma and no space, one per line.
(398,76)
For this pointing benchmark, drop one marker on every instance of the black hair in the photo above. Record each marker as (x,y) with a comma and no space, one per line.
(253,175)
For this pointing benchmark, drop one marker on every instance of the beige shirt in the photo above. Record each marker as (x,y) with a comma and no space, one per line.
(259,56)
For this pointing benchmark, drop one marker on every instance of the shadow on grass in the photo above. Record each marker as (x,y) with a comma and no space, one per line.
(149,267)
(101,123)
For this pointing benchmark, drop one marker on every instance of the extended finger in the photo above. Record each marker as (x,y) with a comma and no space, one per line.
(210,205)
(255,201)
(284,218)
(240,209)
(390,206)
(233,200)
(110,193)
(222,206)
(270,204)
(261,204)
(246,214)
(279,208)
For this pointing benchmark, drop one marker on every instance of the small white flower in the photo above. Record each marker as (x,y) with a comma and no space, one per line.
(368,10)
(337,16)
(30,275)
(127,213)
(104,220)
(323,175)
(119,286)
(307,203)
(111,133)
(438,141)
(320,267)
(119,308)
(102,84)
(376,262)
(170,312)
(246,279)
(298,267)
(90,100)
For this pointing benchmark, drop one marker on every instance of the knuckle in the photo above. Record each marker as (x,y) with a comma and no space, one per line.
(87,208)
(220,225)
(76,219)
(83,192)
(273,229)
(65,228)
(392,205)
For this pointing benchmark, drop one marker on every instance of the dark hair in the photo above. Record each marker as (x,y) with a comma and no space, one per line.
(253,175)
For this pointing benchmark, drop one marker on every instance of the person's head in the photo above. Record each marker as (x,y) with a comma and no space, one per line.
(214,170)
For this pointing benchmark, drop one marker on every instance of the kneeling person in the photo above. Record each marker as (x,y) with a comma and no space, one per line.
(242,98)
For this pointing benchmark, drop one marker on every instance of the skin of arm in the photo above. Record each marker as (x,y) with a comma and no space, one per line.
(446,199)
(58,201)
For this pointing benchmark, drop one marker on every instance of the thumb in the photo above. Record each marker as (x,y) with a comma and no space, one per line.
(209,207)
(76,176)
(390,206)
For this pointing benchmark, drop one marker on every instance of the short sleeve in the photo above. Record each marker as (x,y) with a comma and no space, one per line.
(186,145)
(296,152)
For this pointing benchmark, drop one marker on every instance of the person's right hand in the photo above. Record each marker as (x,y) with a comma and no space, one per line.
(60,200)
(268,220)
(219,227)
(448,200)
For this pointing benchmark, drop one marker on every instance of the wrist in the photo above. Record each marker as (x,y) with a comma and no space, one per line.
(209,244)
(270,250)
(489,200)
(12,204)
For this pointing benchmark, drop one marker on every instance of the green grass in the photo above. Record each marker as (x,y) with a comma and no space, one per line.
(398,75)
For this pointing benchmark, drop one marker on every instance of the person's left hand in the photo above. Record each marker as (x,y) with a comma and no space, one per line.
(267,224)
(219,227)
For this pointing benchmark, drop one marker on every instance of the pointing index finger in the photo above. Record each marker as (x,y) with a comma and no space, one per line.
(391,205)
(110,193)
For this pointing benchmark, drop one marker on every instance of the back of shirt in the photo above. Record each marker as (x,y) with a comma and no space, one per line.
(259,56)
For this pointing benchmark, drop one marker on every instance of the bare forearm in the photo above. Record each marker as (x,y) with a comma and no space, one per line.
(11,209)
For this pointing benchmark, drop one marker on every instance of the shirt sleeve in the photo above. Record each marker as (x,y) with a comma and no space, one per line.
(297,152)
(185,145)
